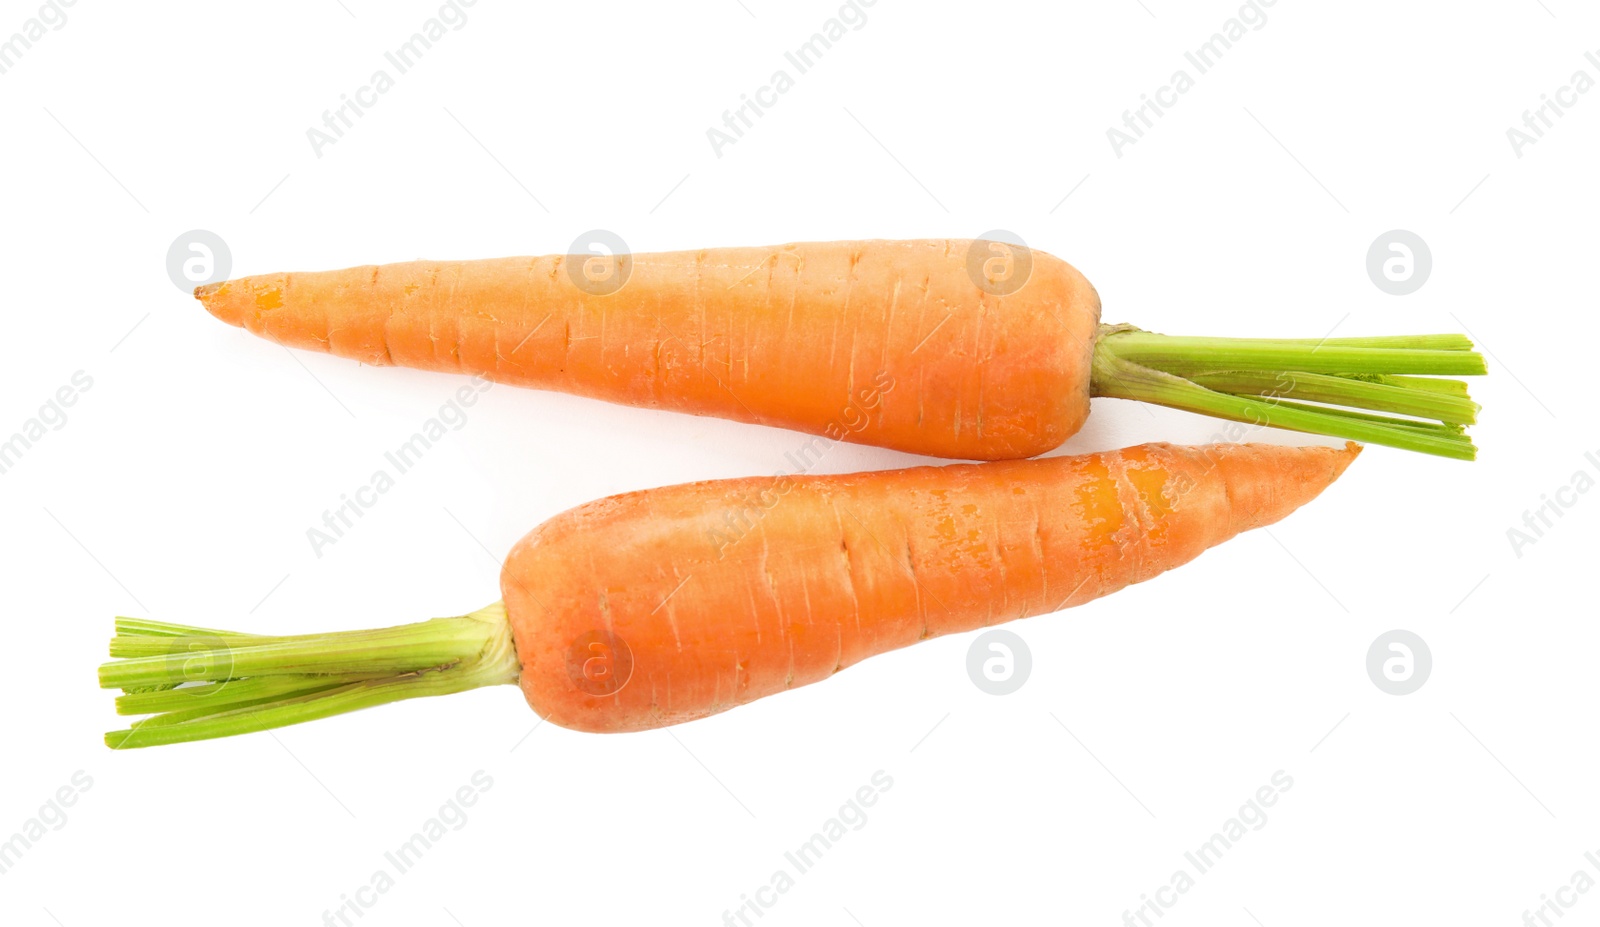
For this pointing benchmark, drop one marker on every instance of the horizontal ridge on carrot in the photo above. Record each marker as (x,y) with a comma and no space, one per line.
(641,610)
(991,350)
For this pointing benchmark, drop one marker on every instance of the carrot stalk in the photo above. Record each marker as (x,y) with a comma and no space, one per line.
(1318,387)
(1268,382)
(1413,423)
(1432,384)
(1451,341)
(251,717)
(220,696)
(199,711)
(229,683)
(146,628)
(1361,355)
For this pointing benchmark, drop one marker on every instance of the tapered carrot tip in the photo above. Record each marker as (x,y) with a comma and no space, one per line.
(250,303)
(1266,482)
(217,298)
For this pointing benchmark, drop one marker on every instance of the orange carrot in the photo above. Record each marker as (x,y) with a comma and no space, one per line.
(965,349)
(667,605)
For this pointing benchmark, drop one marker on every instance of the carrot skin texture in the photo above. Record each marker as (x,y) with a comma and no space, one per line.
(889,343)
(663,606)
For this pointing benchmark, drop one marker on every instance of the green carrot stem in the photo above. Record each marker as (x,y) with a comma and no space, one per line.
(141,627)
(1443,385)
(255,682)
(1116,376)
(1316,387)
(1254,378)
(196,712)
(190,659)
(221,696)
(310,707)
(1176,354)
(247,644)
(1416,424)
(1443,342)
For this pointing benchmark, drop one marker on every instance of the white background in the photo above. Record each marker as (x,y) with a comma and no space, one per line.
(183,482)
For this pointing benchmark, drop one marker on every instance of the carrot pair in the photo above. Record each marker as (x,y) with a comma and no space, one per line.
(637,611)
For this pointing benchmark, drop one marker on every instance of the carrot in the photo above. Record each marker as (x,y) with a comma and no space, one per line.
(965,349)
(666,605)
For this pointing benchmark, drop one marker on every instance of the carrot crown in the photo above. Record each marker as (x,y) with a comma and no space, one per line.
(199,683)
(1310,385)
